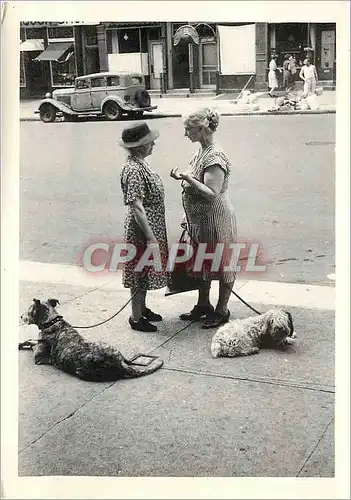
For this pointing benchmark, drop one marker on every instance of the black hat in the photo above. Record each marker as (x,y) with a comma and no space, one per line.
(137,134)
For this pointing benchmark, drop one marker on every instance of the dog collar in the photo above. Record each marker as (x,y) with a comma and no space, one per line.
(50,323)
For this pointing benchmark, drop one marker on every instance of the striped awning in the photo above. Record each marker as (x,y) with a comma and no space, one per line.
(55,51)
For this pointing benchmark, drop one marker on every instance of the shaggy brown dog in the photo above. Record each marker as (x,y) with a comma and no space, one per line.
(61,345)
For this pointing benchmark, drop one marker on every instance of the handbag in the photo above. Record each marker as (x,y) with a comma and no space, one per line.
(179,279)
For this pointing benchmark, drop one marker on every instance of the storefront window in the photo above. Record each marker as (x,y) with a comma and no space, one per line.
(128,41)
(61,32)
(32,33)
(64,73)
(327,49)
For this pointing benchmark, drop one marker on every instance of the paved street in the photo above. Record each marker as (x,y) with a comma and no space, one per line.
(282,188)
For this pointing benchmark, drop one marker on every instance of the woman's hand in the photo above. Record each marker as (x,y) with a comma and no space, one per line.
(179,176)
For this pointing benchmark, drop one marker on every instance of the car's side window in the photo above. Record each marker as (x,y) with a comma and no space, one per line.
(82,84)
(98,82)
(136,80)
(113,81)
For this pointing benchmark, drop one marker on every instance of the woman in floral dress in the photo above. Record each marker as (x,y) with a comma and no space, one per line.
(210,217)
(144,226)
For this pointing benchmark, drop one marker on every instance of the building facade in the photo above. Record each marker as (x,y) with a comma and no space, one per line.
(195,57)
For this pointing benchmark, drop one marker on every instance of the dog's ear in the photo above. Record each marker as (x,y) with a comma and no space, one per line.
(290,322)
(53,302)
(36,309)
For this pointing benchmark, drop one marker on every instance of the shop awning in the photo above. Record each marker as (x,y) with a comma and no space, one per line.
(32,45)
(186,32)
(54,51)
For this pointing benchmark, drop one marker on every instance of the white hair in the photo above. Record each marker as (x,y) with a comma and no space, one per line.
(202,117)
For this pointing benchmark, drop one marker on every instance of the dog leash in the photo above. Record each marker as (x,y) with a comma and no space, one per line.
(244,302)
(143,275)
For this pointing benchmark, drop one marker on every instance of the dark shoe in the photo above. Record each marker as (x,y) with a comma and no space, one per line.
(151,316)
(142,325)
(215,320)
(197,313)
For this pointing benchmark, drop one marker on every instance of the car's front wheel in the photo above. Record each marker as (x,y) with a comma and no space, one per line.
(112,111)
(47,113)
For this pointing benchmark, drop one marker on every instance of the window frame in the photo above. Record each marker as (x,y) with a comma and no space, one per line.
(94,79)
(87,80)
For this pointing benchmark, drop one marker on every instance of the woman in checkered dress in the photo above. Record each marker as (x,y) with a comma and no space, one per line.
(210,217)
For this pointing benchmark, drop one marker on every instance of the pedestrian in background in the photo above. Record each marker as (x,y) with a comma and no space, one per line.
(272,75)
(209,213)
(286,72)
(293,71)
(309,75)
(144,224)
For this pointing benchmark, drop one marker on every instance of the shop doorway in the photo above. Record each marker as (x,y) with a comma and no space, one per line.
(208,65)
(180,64)
(155,51)
(38,76)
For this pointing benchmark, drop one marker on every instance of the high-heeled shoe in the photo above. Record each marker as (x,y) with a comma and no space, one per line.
(197,313)
(216,319)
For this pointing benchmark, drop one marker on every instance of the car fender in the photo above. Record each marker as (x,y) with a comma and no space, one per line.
(121,103)
(58,105)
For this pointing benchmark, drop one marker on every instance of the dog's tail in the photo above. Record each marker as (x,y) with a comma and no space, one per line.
(134,371)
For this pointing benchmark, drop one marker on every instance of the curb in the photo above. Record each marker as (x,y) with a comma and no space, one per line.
(244,113)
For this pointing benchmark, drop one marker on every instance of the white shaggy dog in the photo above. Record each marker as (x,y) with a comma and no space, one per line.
(243,337)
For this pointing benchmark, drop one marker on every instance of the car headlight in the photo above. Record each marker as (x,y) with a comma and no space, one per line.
(48,95)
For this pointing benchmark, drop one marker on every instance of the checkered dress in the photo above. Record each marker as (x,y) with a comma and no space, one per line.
(210,221)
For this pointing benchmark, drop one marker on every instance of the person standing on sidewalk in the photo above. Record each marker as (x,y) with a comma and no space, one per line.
(209,213)
(286,72)
(309,75)
(144,224)
(272,75)
(293,71)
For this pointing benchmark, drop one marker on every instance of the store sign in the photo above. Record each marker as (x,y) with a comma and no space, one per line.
(44,24)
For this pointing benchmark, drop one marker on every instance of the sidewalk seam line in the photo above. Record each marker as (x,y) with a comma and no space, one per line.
(67,416)
(315,447)
(258,381)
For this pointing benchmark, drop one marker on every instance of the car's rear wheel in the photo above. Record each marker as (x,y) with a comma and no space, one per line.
(112,111)
(47,113)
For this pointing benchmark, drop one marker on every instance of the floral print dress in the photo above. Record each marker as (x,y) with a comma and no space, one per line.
(139,181)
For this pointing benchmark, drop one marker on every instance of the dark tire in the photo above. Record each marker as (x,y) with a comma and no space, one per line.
(138,115)
(112,111)
(70,118)
(47,113)
(142,98)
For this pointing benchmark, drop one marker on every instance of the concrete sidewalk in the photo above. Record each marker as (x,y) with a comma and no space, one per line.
(266,415)
(175,106)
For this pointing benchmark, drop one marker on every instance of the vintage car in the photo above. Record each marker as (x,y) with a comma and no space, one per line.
(107,94)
